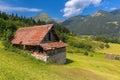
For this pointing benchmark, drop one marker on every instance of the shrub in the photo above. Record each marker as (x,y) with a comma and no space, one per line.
(91,55)
(85,46)
(117,58)
(81,45)
(102,46)
(86,53)
(107,39)
(107,45)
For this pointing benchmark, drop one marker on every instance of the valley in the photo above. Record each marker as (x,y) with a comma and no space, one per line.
(85,55)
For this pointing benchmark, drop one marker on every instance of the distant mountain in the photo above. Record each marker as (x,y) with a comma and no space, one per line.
(101,13)
(45,17)
(99,23)
(116,12)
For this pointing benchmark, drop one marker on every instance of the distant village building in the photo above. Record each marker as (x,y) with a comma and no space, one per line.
(43,43)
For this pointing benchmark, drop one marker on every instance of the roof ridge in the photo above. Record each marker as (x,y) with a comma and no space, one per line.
(36,26)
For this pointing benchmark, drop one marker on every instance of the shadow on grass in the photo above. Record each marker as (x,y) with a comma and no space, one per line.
(68,61)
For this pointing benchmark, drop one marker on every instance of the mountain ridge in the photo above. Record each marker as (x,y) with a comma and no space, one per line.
(99,23)
(45,17)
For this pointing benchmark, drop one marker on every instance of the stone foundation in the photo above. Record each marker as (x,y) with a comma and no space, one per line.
(57,56)
(40,56)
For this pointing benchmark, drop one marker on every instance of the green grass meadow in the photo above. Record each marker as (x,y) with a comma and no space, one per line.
(15,66)
(1,46)
(21,66)
(85,55)
(114,49)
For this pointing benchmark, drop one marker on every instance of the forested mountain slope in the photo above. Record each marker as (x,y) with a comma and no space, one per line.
(99,23)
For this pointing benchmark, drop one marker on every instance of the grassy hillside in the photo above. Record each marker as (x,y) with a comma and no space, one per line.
(114,49)
(18,65)
(1,45)
(81,45)
(23,67)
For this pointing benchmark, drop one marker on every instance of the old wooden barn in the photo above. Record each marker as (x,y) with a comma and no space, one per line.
(42,42)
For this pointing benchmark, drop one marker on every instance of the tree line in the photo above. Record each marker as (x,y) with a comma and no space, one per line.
(107,39)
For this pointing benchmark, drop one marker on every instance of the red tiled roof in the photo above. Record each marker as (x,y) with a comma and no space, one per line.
(52,45)
(31,35)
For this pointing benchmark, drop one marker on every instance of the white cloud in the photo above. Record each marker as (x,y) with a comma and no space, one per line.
(75,7)
(96,2)
(113,8)
(6,7)
(22,9)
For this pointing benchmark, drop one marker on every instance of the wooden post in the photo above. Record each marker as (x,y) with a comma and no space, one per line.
(24,47)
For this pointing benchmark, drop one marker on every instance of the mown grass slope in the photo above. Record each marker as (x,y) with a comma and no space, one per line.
(114,49)
(1,45)
(80,44)
(15,66)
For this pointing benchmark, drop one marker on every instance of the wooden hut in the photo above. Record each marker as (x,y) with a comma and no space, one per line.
(42,42)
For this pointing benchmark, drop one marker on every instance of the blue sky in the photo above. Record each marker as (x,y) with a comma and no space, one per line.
(59,9)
